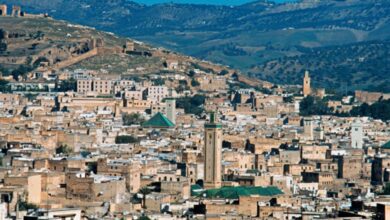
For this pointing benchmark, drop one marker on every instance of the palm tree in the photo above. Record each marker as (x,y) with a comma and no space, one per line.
(144,191)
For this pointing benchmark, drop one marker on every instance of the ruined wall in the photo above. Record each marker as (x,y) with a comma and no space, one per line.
(74,60)
(3,10)
(16,11)
(367,97)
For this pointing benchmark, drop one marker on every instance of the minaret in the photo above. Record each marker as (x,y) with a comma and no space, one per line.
(308,128)
(357,135)
(212,153)
(171,110)
(306,84)
(117,111)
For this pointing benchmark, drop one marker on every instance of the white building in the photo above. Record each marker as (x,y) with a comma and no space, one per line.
(357,135)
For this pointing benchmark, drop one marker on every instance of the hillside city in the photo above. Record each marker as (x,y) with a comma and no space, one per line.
(177,138)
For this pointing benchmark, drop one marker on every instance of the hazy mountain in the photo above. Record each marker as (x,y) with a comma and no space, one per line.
(245,36)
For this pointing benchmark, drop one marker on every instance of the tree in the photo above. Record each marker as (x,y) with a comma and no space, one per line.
(194,83)
(223,72)
(4,86)
(3,46)
(40,60)
(92,167)
(132,119)
(144,191)
(314,106)
(191,73)
(378,110)
(64,149)
(67,85)
(181,88)
(386,189)
(158,82)
(191,105)
(25,206)
(288,99)
(126,139)
(21,71)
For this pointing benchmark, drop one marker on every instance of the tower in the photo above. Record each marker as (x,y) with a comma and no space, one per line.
(117,111)
(212,153)
(357,135)
(306,84)
(308,128)
(171,110)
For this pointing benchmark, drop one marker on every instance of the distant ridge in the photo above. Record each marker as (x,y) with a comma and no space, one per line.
(245,37)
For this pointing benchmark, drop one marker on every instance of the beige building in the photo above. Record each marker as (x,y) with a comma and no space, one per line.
(95,187)
(31,183)
(125,168)
(98,86)
(157,93)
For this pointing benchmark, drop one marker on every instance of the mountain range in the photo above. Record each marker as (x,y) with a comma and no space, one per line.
(275,42)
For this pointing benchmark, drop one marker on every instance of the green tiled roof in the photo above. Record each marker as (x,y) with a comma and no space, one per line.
(196,190)
(158,121)
(236,192)
(386,146)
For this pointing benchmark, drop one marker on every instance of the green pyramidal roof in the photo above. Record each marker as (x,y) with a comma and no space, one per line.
(386,146)
(158,121)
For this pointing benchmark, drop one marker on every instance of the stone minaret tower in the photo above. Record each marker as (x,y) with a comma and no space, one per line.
(306,84)
(171,110)
(212,153)
(308,128)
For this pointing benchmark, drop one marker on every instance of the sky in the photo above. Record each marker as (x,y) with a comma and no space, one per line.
(215,2)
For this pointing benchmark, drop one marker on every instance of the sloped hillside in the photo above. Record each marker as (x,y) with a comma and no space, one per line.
(243,37)
(363,65)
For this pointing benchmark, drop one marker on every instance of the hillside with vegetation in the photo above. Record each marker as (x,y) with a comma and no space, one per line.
(363,65)
(249,36)
(38,44)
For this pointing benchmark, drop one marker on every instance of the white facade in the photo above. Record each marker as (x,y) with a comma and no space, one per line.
(357,135)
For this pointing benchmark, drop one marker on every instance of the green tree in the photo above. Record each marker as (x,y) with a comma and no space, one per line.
(158,82)
(64,149)
(181,88)
(191,105)
(67,85)
(194,83)
(223,72)
(144,191)
(386,189)
(132,119)
(24,206)
(191,73)
(4,86)
(314,106)
(40,60)
(126,139)
(21,71)
(378,110)
(3,46)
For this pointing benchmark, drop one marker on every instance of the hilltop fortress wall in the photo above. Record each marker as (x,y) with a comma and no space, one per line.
(17,12)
